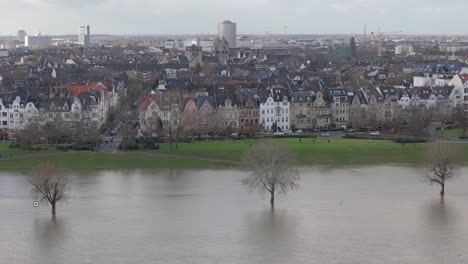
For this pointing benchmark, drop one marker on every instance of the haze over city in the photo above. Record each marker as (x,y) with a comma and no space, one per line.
(253,16)
(247,132)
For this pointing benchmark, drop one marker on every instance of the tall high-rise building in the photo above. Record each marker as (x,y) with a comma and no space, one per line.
(21,35)
(228,30)
(85,36)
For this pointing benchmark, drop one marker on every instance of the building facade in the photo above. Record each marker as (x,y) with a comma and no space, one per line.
(228,30)
(84,38)
(301,110)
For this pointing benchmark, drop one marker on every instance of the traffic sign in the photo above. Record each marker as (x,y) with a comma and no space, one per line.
(36,204)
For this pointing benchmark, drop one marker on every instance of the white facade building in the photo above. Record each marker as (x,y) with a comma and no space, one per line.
(174,44)
(21,35)
(17,116)
(4,53)
(404,50)
(405,100)
(421,81)
(275,110)
(37,42)
(267,114)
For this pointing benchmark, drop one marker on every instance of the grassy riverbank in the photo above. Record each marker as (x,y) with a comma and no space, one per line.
(337,152)
(101,161)
(222,154)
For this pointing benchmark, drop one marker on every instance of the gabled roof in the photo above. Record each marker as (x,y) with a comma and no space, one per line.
(463,77)
(308,96)
(202,99)
(146,101)
(222,97)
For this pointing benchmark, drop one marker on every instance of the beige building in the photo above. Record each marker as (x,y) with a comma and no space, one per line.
(301,114)
(228,111)
(339,102)
(321,111)
(373,107)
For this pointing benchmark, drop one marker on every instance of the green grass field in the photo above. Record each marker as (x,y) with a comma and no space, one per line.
(6,152)
(339,152)
(457,132)
(101,161)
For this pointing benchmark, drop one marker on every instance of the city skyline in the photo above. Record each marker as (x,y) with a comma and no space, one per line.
(144,17)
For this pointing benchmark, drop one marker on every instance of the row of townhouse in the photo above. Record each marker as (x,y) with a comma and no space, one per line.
(382,105)
(64,106)
(277,109)
(274,109)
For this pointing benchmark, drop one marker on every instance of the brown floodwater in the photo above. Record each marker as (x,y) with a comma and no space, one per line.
(355,215)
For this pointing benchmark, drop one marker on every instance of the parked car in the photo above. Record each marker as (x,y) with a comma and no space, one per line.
(325,135)
(375,133)
(114,132)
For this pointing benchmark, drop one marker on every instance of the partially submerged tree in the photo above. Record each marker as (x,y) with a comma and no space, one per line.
(272,166)
(49,183)
(442,161)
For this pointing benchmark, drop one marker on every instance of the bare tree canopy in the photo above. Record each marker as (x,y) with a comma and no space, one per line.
(442,160)
(272,166)
(49,183)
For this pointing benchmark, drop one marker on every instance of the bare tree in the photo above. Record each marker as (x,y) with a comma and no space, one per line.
(49,183)
(418,120)
(460,118)
(272,166)
(442,161)
(153,125)
(30,135)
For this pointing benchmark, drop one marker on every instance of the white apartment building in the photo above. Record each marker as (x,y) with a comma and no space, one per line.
(275,110)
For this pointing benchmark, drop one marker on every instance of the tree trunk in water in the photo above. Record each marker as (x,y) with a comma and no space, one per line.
(53,207)
(442,191)
(272,199)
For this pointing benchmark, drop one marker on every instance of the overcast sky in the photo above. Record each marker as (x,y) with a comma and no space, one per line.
(252,16)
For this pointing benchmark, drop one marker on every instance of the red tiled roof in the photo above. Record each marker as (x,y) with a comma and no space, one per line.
(77,89)
(146,101)
(464,77)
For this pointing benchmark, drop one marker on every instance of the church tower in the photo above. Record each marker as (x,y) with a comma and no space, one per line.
(221,48)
